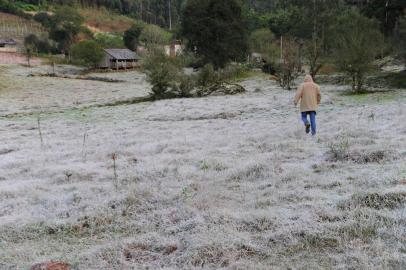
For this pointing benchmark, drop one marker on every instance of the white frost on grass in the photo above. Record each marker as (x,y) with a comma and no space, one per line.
(219,182)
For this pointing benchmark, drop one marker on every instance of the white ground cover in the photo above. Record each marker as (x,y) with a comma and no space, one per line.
(207,183)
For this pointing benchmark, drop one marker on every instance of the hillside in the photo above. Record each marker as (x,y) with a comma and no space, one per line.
(12,26)
(101,20)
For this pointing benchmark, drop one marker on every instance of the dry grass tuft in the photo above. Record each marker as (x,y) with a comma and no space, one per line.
(376,201)
(342,152)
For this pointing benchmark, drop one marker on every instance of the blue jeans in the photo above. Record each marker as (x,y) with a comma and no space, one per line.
(312,120)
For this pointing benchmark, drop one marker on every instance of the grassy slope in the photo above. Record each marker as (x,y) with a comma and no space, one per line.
(101,20)
(15,27)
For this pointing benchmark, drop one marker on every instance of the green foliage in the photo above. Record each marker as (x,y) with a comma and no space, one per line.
(65,26)
(387,13)
(215,30)
(87,53)
(44,19)
(153,36)
(161,74)
(207,76)
(34,44)
(401,38)
(185,85)
(358,43)
(254,20)
(263,41)
(26,7)
(8,6)
(284,21)
(132,36)
(109,40)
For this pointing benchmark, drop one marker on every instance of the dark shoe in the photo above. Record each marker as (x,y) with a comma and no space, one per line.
(307,128)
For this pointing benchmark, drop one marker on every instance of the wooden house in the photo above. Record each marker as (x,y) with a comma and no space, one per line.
(119,59)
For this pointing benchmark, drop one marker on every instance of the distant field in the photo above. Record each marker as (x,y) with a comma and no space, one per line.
(15,27)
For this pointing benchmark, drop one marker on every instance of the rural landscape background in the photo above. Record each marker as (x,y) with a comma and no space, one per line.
(185,151)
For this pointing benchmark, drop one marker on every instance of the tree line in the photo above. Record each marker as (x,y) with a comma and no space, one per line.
(288,34)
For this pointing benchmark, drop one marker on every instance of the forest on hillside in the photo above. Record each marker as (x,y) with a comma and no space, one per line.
(167,13)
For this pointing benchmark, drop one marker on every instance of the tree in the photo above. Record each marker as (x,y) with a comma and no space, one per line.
(30,45)
(132,35)
(43,18)
(290,65)
(320,17)
(87,53)
(215,30)
(153,36)
(358,43)
(161,74)
(387,12)
(65,26)
(261,41)
(401,38)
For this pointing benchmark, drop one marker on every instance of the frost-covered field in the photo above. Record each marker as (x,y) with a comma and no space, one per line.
(210,183)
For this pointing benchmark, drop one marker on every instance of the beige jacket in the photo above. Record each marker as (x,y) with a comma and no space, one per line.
(309,95)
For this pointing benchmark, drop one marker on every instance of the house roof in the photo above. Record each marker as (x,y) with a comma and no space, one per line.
(8,41)
(122,54)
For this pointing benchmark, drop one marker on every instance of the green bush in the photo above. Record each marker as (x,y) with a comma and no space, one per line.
(358,43)
(87,53)
(186,85)
(26,6)
(161,73)
(132,36)
(207,76)
(43,18)
(109,40)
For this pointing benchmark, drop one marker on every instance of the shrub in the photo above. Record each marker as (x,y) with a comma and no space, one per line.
(358,43)
(161,73)
(186,85)
(207,76)
(87,53)
(132,36)
(153,36)
(43,18)
(109,40)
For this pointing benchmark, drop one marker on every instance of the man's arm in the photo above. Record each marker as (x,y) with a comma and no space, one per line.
(318,95)
(298,95)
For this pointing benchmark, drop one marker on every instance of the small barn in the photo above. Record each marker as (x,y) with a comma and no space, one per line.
(119,59)
(8,45)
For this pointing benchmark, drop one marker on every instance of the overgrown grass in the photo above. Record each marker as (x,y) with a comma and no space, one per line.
(106,21)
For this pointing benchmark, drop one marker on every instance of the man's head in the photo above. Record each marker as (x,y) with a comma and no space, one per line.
(308,78)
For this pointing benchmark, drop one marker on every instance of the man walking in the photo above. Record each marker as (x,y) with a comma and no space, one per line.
(309,96)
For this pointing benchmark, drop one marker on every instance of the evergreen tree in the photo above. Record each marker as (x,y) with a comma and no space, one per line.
(65,26)
(358,43)
(132,35)
(215,30)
